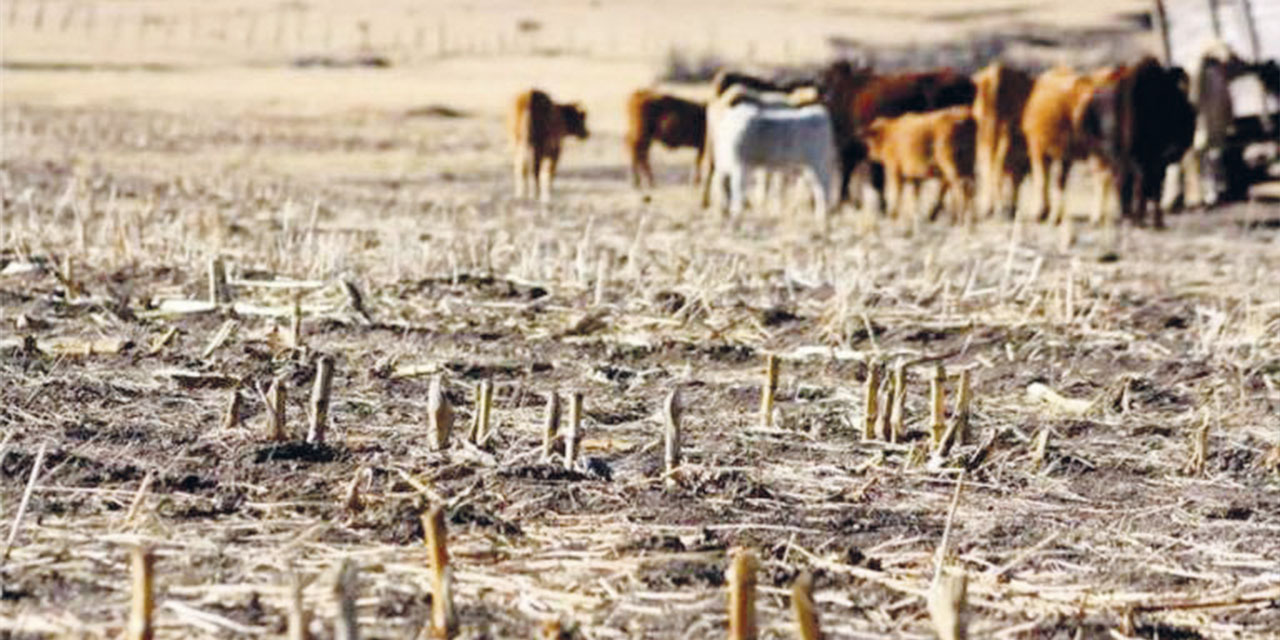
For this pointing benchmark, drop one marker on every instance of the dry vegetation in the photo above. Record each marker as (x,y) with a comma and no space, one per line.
(1121,462)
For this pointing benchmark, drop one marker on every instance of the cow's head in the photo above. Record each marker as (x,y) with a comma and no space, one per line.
(873,136)
(575,120)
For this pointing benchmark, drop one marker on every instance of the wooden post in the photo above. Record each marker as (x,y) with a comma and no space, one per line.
(871,400)
(767,392)
(551,425)
(143,601)
(572,434)
(320,400)
(444,622)
(671,450)
(742,595)
(439,414)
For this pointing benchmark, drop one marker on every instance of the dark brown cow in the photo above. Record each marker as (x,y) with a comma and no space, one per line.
(675,122)
(857,97)
(538,127)
(1139,125)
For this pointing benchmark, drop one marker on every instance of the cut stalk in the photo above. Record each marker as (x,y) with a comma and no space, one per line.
(320,400)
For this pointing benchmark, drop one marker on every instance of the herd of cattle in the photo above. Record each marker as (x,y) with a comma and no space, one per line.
(983,133)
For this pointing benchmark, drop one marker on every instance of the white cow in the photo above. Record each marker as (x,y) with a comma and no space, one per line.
(748,135)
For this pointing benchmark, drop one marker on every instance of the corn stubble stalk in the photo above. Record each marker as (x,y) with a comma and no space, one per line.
(320,400)
(295,324)
(1199,448)
(898,401)
(219,293)
(1040,448)
(938,405)
(345,626)
(550,426)
(235,406)
(480,417)
(439,414)
(142,564)
(742,595)
(444,622)
(802,607)
(671,450)
(948,601)
(298,618)
(871,400)
(572,435)
(276,396)
(767,392)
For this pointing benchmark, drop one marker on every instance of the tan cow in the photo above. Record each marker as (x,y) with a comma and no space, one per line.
(538,127)
(916,146)
(1050,124)
(1001,97)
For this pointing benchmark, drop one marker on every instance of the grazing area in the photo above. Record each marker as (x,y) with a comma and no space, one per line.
(241,301)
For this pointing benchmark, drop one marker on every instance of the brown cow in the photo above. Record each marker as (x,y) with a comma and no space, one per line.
(916,146)
(675,122)
(856,97)
(1002,151)
(1050,125)
(1138,126)
(538,128)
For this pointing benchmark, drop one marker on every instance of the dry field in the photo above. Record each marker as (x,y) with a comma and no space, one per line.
(122,181)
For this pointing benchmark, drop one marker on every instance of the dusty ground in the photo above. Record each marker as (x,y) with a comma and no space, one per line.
(140,177)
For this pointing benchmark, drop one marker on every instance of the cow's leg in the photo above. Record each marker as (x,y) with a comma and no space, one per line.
(737,193)
(697,168)
(637,164)
(848,162)
(1102,186)
(983,167)
(548,174)
(995,178)
(1063,171)
(820,176)
(893,192)
(710,176)
(915,210)
(519,167)
(1151,186)
(1040,183)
